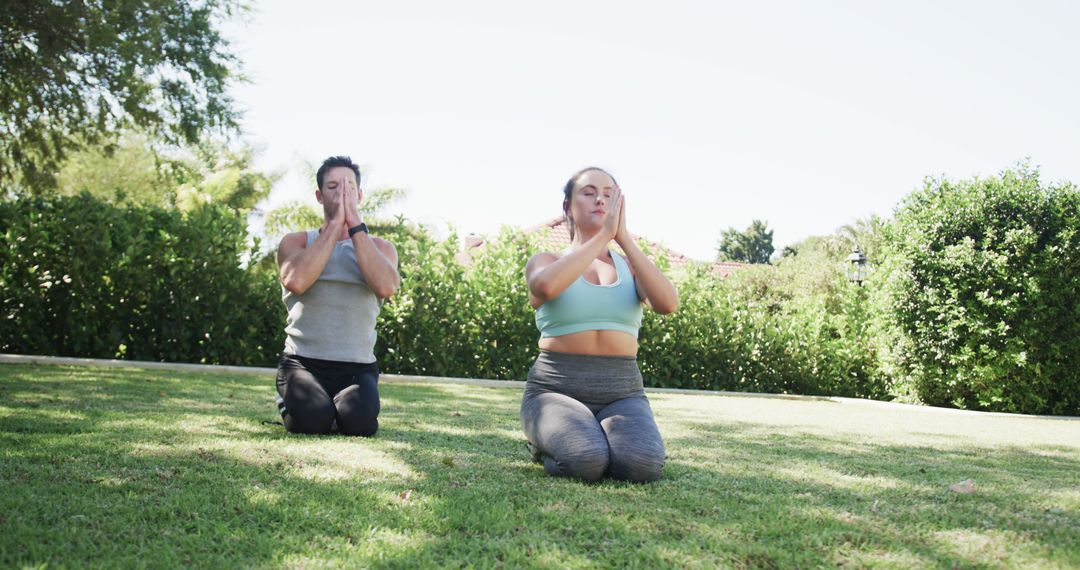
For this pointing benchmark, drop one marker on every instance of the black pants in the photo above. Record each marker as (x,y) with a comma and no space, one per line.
(318,392)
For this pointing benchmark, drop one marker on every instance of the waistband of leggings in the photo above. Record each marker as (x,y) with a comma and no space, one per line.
(326,366)
(586,377)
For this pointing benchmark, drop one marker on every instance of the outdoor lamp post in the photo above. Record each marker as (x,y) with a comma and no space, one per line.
(856,267)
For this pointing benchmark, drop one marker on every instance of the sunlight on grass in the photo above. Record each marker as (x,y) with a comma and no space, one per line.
(441,427)
(824,476)
(878,558)
(326,460)
(551,556)
(56,416)
(380,545)
(475,394)
(317,460)
(261,496)
(141,424)
(981,546)
(183,467)
(1066,499)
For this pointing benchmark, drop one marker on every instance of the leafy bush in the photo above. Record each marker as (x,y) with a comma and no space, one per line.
(453,319)
(85,278)
(744,333)
(976,303)
(81,277)
(798,327)
(984,293)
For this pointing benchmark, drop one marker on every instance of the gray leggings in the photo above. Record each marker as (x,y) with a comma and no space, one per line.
(587,417)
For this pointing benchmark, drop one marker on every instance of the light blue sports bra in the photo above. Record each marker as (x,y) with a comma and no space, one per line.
(587,307)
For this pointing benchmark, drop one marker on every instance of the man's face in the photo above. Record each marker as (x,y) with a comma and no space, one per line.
(334,186)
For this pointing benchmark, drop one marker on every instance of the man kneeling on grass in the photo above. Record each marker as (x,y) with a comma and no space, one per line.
(334,280)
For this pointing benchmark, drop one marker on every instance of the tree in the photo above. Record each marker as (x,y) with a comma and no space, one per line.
(125,172)
(223,174)
(864,233)
(140,171)
(292,216)
(300,215)
(75,73)
(297,215)
(751,246)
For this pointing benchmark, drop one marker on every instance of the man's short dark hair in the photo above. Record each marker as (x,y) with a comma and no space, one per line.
(335,161)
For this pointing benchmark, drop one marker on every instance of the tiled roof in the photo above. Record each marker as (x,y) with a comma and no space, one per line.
(557,238)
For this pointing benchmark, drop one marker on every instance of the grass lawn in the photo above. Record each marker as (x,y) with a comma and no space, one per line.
(120,467)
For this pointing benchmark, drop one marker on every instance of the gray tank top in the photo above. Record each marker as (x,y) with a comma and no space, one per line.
(335,318)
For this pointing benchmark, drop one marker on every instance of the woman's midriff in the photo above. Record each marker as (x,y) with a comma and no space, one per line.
(596,343)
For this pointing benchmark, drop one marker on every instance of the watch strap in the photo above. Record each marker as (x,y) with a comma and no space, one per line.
(361,227)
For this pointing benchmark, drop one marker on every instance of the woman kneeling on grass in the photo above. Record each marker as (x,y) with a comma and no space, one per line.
(584,411)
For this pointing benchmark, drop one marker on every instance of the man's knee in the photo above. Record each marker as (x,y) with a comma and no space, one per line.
(358,412)
(358,424)
(309,418)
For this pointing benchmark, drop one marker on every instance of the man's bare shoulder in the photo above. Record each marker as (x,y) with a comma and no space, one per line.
(293,240)
(384,246)
(290,244)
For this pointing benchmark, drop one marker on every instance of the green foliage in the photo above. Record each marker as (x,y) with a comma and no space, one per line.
(796,328)
(751,246)
(215,172)
(866,234)
(760,331)
(974,303)
(128,171)
(75,73)
(293,216)
(984,293)
(160,284)
(296,215)
(81,277)
(142,171)
(468,319)
(377,200)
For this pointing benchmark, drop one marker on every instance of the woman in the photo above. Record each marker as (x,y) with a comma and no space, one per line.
(584,411)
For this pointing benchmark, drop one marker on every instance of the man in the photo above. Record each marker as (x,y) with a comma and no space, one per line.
(334,281)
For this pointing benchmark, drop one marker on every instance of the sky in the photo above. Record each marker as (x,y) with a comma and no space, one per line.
(808,115)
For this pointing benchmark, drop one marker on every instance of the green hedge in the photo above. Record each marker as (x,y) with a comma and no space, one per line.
(81,277)
(451,318)
(475,321)
(798,328)
(984,293)
(84,278)
(976,305)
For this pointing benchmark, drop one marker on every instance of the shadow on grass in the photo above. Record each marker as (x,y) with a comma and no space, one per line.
(127,468)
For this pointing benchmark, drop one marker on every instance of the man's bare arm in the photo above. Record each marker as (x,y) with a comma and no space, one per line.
(377,259)
(299,266)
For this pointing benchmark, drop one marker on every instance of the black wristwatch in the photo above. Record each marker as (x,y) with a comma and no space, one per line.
(362,227)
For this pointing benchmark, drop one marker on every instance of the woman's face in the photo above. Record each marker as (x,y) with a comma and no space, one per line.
(590,200)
